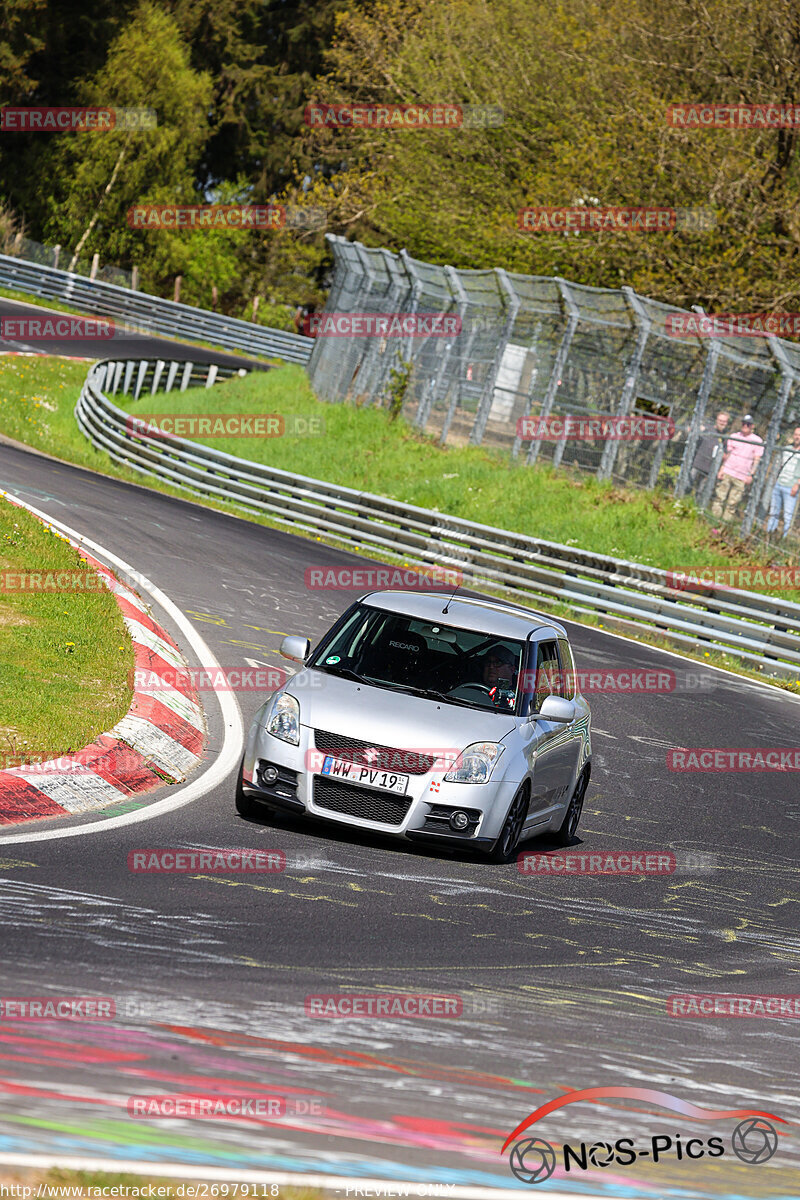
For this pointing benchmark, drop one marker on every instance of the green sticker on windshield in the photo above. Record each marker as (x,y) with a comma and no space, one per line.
(334,658)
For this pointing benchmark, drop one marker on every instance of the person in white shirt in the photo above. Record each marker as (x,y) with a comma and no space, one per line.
(787,485)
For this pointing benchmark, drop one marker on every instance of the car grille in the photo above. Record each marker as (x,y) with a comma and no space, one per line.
(407,762)
(360,802)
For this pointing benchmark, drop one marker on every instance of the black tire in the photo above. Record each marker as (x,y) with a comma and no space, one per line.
(250,809)
(572,816)
(508,839)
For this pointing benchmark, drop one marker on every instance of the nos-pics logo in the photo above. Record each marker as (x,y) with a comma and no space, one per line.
(532,1160)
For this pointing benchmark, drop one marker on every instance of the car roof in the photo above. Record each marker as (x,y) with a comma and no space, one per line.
(476,613)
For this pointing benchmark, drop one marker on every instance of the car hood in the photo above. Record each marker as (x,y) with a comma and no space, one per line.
(389,718)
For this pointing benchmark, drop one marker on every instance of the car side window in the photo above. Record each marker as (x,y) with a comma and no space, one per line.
(548,681)
(567,670)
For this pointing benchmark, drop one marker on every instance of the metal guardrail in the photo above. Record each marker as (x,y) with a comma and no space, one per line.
(151,313)
(758,629)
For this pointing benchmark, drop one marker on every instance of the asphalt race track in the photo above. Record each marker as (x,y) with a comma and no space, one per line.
(124,344)
(564,980)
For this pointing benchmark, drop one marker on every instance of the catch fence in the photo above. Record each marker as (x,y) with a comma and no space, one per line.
(535,354)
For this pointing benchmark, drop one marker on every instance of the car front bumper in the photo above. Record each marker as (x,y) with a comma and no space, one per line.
(421,815)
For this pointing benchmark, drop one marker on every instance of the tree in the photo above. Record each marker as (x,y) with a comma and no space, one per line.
(584,90)
(19,41)
(96,177)
(262,56)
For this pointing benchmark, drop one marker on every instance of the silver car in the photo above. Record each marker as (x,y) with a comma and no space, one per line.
(433,718)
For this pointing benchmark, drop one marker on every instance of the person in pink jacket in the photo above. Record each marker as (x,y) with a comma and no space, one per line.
(738,469)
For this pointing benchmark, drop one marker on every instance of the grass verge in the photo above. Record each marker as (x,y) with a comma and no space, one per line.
(66,656)
(361,448)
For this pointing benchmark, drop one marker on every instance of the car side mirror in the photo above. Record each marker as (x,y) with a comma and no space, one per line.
(557,709)
(295,648)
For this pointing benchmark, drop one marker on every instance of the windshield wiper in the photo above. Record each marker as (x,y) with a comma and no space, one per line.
(398,687)
(346,673)
(432,694)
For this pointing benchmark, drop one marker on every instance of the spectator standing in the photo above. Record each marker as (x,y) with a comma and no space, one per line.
(302,319)
(709,448)
(787,485)
(739,461)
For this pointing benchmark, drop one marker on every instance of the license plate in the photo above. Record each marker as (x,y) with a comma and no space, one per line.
(387,781)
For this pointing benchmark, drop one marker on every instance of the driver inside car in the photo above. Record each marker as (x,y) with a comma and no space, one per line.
(498,674)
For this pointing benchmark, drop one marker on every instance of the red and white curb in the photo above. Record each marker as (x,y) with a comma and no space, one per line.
(159,740)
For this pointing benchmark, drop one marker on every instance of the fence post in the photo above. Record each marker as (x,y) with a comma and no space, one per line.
(414,294)
(487,395)
(465,353)
(134,278)
(140,377)
(628,398)
(383,356)
(94,266)
(187,375)
(158,371)
(532,349)
(315,367)
(559,362)
(772,434)
(56,256)
(367,365)
(703,392)
(433,387)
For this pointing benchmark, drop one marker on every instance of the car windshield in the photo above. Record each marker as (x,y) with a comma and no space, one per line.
(460,666)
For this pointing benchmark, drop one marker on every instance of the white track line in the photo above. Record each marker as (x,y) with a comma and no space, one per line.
(228,756)
(329,1183)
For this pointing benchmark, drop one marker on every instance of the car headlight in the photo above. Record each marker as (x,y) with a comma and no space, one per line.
(283,719)
(475,764)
